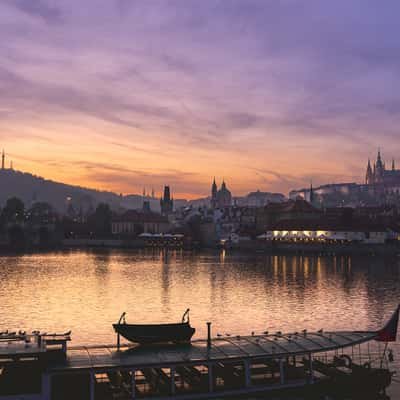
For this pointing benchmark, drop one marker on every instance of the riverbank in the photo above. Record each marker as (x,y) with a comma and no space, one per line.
(317,248)
(257,246)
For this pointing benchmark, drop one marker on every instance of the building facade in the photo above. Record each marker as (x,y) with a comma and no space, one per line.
(220,198)
(381,179)
(134,223)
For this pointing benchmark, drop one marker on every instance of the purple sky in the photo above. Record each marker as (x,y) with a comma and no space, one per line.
(118,94)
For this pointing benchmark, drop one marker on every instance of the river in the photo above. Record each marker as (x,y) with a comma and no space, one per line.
(86,291)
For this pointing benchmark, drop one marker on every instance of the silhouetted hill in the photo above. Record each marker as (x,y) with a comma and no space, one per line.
(30,188)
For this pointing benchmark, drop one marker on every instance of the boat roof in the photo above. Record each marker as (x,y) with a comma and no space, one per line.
(223,349)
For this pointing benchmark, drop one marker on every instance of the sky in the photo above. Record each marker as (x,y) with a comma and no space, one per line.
(268,95)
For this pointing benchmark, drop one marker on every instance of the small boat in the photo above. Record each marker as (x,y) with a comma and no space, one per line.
(180,332)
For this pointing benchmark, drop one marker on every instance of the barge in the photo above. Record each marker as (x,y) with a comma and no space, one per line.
(216,367)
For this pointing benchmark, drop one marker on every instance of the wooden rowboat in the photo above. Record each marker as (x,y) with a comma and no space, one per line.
(180,332)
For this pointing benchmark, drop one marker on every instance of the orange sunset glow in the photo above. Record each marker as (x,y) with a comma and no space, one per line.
(147,97)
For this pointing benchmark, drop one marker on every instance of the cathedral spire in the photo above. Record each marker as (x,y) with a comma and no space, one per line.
(214,194)
(379,161)
(214,188)
(223,186)
(369,174)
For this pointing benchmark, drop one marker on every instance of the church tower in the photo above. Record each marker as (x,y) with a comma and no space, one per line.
(380,168)
(214,194)
(166,202)
(369,178)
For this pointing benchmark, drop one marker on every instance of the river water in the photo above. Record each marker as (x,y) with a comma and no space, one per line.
(86,291)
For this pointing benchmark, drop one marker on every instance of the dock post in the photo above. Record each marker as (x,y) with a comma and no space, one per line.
(133,384)
(172,373)
(92,385)
(311,370)
(281,371)
(210,378)
(208,335)
(247,373)
(46,386)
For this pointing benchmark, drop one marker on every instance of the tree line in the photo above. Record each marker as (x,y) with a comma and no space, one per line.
(41,225)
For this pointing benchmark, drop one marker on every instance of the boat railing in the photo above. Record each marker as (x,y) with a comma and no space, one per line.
(349,359)
(186,317)
(36,338)
(122,319)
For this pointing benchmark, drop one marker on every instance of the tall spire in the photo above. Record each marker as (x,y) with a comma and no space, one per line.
(166,202)
(223,186)
(369,175)
(311,193)
(393,166)
(379,163)
(3,158)
(214,194)
(214,188)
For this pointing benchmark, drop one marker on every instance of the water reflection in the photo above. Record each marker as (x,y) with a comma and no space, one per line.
(86,291)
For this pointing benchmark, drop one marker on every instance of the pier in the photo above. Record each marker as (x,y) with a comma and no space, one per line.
(218,367)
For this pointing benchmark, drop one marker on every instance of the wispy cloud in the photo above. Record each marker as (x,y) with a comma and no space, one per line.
(264,93)
(38,9)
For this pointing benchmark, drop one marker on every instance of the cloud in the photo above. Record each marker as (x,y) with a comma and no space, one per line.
(114,176)
(38,9)
(204,86)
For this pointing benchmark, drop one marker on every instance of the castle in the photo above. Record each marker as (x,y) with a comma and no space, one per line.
(220,198)
(380,186)
(380,178)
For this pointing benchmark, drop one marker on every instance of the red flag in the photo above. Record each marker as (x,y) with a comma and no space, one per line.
(389,332)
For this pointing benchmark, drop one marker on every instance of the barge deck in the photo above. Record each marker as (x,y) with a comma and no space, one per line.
(40,367)
(203,369)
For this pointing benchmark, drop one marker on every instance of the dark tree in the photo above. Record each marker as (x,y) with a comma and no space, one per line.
(16,237)
(14,211)
(41,213)
(44,236)
(101,220)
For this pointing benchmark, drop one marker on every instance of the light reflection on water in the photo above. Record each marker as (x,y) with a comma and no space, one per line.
(86,291)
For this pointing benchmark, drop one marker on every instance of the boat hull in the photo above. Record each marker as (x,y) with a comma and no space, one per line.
(161,333)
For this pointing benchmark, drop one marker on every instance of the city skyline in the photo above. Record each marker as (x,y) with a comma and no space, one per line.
(125,94)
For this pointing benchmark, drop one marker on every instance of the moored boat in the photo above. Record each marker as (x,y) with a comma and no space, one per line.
(180,332)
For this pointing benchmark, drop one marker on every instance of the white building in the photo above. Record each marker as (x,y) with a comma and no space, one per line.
(340,236)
